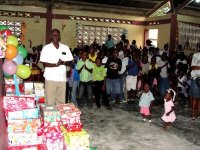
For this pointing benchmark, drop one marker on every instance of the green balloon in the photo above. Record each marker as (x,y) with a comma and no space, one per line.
(3,27)
(12,40)
(23,71)
(22,51)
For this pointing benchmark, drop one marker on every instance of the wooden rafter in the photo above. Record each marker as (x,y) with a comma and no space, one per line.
(157,7)
(183,4)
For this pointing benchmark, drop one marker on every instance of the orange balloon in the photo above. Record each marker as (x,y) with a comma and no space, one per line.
(11,52)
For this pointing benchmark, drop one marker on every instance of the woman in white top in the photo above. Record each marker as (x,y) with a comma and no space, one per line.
(195,89)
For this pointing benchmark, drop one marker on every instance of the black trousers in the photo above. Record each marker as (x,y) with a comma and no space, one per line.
(98,92)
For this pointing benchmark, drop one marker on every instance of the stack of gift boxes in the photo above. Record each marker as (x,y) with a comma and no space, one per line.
(75,138)
(25,88)
(23,123)
(51,130)
(31,125)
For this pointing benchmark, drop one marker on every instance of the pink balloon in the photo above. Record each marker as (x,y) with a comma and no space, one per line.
(10,67)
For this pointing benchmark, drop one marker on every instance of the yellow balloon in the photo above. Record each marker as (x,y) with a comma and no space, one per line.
(12,40)
(23,71)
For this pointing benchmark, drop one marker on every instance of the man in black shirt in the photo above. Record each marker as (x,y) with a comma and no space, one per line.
(113,66)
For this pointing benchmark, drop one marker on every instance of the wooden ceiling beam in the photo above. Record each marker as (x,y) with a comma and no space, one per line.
(157,7)
(106,6)
(192,7)
(184,4)
(150,1)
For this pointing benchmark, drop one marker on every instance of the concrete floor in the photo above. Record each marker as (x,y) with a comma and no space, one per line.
(123,129)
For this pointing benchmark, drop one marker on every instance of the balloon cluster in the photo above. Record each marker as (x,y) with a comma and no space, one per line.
(14,54)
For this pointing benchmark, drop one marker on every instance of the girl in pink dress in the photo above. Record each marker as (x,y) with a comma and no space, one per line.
(169,116)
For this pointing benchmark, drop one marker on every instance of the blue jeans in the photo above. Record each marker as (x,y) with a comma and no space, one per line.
(113,87)
(163,85)
(75,86)
(83,86)
(122,82)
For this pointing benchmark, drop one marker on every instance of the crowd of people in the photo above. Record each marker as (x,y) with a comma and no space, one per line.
(117,73)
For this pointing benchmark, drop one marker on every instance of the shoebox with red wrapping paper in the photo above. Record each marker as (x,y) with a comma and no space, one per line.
(16,103)
(54,140)
(29,147)
(50,119)
(51,130)
(10,89)
(70,114)
(23,126)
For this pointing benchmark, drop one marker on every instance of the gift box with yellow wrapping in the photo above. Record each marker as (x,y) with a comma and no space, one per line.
(76,140)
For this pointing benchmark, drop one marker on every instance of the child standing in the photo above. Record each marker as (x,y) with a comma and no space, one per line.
(169,116)
(75,83)
(153,75)
(99,74)
(131,79)
(84,67)
(113,66)
(145,102)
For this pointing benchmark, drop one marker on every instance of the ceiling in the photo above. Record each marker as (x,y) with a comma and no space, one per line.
(131,7)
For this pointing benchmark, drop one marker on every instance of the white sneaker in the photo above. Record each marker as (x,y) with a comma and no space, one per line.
(144,119)
(150,121)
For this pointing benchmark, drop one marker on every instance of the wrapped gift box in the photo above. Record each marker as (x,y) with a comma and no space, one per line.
(11,81)
(70,114)
(69,108)
(54,144)
(38,86)
(39,92)
(10,89)
(23,139)
(24,125)
(54,140)
(50,114)
(51,127)
(76,140)
(28,88)
(29,147)
(15,103)
(77,127)
(24,114)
